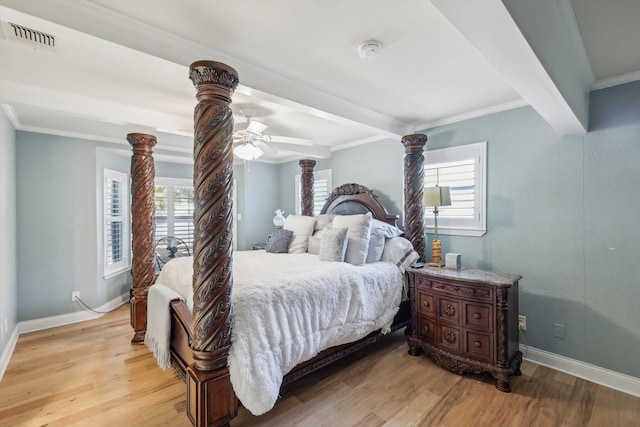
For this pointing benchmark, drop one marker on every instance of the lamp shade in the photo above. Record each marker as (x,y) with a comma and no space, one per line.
(437,196)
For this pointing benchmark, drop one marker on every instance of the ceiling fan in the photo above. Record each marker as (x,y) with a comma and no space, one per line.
(251,143)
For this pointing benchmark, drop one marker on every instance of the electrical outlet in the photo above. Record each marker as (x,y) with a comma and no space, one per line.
(75,295)
(558,330)
(522,323)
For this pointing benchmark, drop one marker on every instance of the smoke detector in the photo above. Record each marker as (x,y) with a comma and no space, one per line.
(370,49)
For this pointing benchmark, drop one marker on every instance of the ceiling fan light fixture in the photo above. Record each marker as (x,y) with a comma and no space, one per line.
(370,49)
(247,152)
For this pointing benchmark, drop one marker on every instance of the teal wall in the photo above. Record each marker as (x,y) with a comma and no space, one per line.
(258,193)
(8,242)
(561,211)
(59,186)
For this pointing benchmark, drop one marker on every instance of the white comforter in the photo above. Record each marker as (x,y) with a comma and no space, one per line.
(288,307)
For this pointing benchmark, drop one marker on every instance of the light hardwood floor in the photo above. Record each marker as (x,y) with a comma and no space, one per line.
(88,374)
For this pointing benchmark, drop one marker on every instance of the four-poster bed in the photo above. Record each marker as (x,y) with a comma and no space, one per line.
(201,338)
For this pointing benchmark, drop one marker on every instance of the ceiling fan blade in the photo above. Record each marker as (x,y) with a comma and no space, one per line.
(290,140)
(268,149)
(256,127)
(317,151)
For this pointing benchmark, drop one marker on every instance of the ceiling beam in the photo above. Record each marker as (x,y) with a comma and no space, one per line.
(491,29)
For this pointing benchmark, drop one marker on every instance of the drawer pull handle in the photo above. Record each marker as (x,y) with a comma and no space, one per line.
(449,310)
(426,328)
(476,316)
(449,336)
(426,303)
(477,344)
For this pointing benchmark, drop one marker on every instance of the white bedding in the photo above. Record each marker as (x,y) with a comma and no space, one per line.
(289,307)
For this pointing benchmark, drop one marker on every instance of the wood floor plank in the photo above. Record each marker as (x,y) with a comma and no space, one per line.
(90,374)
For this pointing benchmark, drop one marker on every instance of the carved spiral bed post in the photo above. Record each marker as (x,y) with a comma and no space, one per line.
(210,397)
(306,181)
(142,265)
(413,191)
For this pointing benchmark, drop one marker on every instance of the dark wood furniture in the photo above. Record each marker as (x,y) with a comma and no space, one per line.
(201,339)
(466,320)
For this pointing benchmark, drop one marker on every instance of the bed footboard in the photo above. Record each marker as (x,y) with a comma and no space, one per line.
(181,354)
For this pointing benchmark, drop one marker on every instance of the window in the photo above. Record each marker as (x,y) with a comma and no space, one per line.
(174,209)
(463,170)
(321,190)
(117,256)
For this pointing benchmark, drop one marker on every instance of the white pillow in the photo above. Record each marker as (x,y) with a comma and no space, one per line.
(302,227)
(333,244)
(386,229)
(399,251)
(376,246)
(314,242)
(322,221)
(358,234)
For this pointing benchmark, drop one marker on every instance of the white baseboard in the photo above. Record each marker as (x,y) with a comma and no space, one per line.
(69,318)
(8,351)
(608,378)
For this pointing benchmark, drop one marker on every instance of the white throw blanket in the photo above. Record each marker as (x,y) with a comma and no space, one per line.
(289,307)
(159,322)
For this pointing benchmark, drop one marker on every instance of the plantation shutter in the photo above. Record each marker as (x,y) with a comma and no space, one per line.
(116,222)
(460,178)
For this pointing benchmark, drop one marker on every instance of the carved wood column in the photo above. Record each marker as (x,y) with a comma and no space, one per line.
(413,191)
(142,264)
(306,184)
(210,397)
(503,369)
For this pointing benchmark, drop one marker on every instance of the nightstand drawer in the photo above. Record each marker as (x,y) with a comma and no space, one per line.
(449,310)
(426,328)
(479,345)
(426,303)
(449,337)
(478,316)
(461,291)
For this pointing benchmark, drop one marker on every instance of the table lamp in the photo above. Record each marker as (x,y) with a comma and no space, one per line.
(436,196)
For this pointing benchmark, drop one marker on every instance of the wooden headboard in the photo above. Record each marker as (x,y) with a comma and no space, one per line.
(351,199)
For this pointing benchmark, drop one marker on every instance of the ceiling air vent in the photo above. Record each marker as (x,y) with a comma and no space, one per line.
(33,38)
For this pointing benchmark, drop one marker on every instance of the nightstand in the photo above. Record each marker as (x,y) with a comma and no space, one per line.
(466,320)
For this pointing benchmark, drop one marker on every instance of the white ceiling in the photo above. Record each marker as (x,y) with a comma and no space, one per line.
(122,66)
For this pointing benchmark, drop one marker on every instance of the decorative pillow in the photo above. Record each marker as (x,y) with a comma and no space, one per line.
(333,244)
(322,221)
(359,230)
(387,230)
(302,227)
(400,252)
(376,246)
(314,242)
(279,241)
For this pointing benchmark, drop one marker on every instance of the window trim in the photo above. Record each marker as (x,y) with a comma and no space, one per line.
(317,175)
(114,269)
(477,151)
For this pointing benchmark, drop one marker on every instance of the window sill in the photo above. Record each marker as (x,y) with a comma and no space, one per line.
(114,273)
(469,232)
